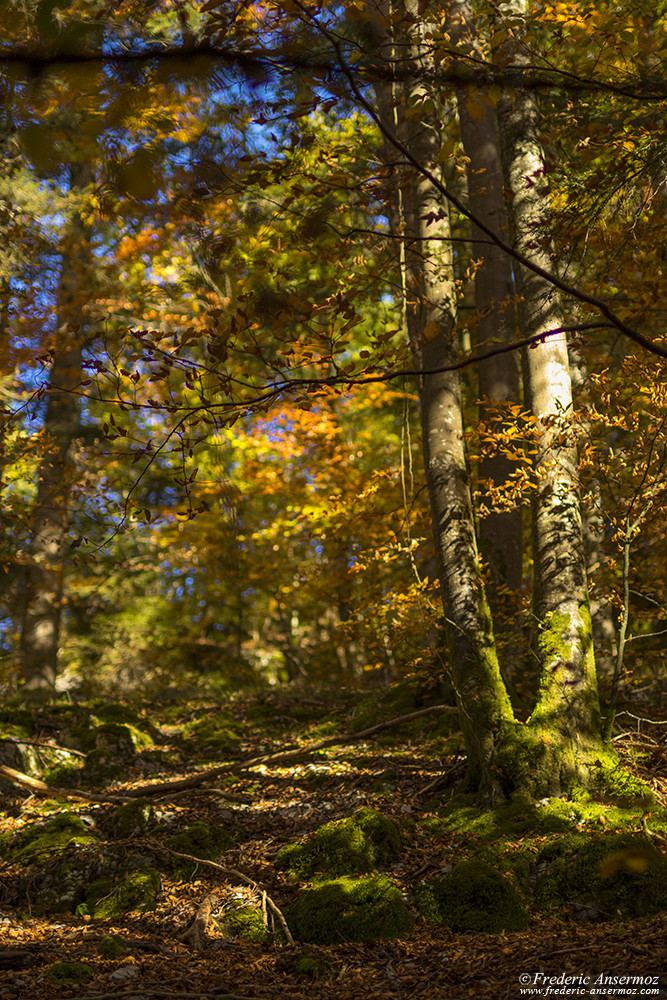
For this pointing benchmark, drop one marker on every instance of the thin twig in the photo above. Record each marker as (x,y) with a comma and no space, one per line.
(234,872)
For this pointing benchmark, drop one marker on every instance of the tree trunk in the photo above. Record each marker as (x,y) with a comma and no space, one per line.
(431,315)
(500,531)
(44,577)
(567,712)
(560,747)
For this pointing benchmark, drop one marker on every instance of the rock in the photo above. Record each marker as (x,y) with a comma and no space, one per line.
(350,909)
(124,974)
(473,897)
(356,845)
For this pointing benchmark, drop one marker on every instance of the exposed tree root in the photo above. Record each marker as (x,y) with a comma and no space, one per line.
(196,934)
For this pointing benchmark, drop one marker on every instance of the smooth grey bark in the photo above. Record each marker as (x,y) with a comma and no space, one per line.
(47,559)
(568,699)
(500,531)
(431,316)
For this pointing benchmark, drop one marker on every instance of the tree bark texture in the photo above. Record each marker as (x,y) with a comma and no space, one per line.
(500,531)
(568,698)
(45,572)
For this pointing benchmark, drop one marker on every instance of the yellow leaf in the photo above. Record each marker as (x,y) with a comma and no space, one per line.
(475,108)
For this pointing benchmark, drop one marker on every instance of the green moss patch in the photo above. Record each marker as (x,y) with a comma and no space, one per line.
(550,815)
(132,819)
(64,973)
(313,964)
(106,898)
(247,922)
(353,846)
(112,947)
(201,841)
(473,897)
(41,841)
(602,878)
(215,733)
(348,909)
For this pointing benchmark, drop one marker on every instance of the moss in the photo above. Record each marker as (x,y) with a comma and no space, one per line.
(602,877)
(115,712)
(473,897)
(106,898)
(245,922)
(131,819)
(215,733)
(121,738)
(348,909)
(103,765)
(64,775)
(201,841)
(549,815)
(352,846)
(64,973)
(312,964)
(112,947)
(41,841)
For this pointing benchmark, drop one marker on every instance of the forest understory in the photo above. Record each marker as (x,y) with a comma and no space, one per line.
(188,943)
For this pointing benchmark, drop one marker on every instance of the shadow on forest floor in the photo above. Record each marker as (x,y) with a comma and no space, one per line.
(78,874)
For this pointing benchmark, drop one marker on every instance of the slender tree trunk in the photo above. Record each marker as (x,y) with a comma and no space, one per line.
(560,747)
(45,573)
(482,698)
(500,531)
(568,705)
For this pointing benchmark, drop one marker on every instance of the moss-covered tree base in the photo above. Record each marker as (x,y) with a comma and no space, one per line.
(539,762)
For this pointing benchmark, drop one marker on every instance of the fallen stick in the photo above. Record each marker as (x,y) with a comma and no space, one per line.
(197,932)
(194,780)
(234,872)
(41,788)
(280,757)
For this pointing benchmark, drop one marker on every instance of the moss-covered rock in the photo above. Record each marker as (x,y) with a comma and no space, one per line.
(215,734)
(132,819)
(473,897)
(313,964)
(244,921)
(121,739)
(64,973)
(106,899)
(602,877)
(112,947)
(103,765)
(15,753)
(64,775)
(40,841)
(201,840)
(353,846)
(349,909)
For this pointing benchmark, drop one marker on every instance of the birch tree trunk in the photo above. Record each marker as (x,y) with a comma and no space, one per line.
(45,573)
(431,316)
(568,705)
(500,531)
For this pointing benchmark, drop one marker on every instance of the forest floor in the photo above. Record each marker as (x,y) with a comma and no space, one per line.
(400,773)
